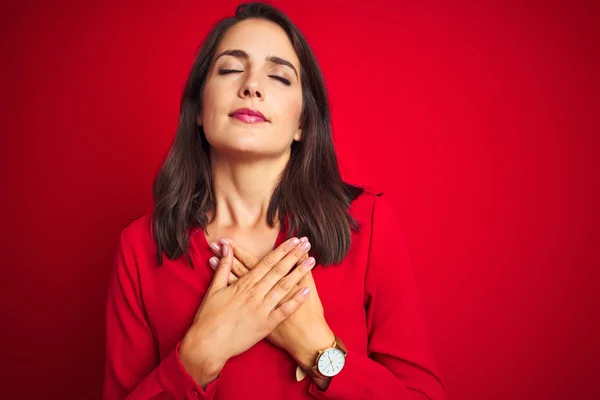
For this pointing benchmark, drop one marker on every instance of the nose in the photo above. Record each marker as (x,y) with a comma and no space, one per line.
(252,88)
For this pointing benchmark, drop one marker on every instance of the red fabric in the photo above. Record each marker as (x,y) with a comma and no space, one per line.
(370,302)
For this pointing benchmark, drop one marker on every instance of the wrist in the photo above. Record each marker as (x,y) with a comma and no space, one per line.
(203,366)
(307,355)
(328,362)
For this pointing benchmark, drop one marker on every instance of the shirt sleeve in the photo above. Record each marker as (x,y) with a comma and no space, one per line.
(133,369)
(399,364)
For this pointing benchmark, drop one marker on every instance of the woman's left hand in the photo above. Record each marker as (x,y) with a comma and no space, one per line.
(304,333)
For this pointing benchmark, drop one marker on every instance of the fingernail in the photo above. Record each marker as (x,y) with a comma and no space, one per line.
(305,246)
(214,261)
(310,262)
(225,249)
(294,242)
(215,246)
(305,292)
(303,239)
(223,240)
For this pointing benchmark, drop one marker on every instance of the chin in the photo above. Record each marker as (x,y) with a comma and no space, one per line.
(246,148)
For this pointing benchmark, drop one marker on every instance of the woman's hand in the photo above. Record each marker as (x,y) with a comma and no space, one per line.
(232,318)
(305,332)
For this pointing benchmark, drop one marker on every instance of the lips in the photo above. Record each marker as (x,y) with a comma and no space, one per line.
(248,115)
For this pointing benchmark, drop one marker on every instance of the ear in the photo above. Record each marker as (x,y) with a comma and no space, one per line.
(298,135)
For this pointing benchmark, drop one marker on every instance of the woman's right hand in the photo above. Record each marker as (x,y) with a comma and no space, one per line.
(233,318)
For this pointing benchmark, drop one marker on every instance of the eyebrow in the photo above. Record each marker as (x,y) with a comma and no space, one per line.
(244,55)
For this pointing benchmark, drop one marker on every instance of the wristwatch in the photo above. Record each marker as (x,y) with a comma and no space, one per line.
(329,362)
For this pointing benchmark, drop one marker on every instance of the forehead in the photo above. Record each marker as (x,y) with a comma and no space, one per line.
(259,38)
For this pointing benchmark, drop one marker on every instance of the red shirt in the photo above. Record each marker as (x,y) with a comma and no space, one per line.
(370,301)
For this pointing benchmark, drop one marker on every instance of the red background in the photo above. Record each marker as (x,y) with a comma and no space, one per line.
(479,120)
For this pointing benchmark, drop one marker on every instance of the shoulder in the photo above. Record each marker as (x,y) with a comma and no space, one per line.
(137,233)
(364,201)
(376,215)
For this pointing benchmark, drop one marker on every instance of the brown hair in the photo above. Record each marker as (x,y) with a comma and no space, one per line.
(310,190)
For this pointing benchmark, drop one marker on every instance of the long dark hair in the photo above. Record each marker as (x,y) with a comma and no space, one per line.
(310,191)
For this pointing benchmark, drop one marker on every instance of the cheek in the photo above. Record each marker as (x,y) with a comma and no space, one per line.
(212,106)
(208,100)
(297,107)
(291,110)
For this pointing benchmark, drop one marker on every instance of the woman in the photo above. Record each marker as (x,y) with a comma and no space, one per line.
(275,267)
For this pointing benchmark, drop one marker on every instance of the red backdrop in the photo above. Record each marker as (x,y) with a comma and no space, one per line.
(480,121)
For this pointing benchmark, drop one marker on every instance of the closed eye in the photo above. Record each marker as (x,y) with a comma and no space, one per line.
(276,77)
(281,79)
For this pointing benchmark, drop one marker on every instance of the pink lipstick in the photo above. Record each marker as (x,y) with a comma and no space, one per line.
(248,115)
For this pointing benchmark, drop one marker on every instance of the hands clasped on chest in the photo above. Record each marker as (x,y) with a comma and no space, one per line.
(249,300)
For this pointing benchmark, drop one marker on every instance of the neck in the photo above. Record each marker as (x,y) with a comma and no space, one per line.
(243,189)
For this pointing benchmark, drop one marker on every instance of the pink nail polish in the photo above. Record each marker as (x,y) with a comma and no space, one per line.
(305,292)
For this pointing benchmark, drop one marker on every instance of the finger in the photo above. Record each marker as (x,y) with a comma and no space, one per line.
(221,277)
(270,261)
(282,312)
(237,268)
(283,288)
(308,280)
(243,260)
(215,248)
(302,259)
(214,263)
(276,278)
(245,257)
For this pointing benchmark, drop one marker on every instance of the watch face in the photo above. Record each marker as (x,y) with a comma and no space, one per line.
(331,362)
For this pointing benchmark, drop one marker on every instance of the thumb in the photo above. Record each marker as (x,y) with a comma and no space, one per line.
(221,277)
